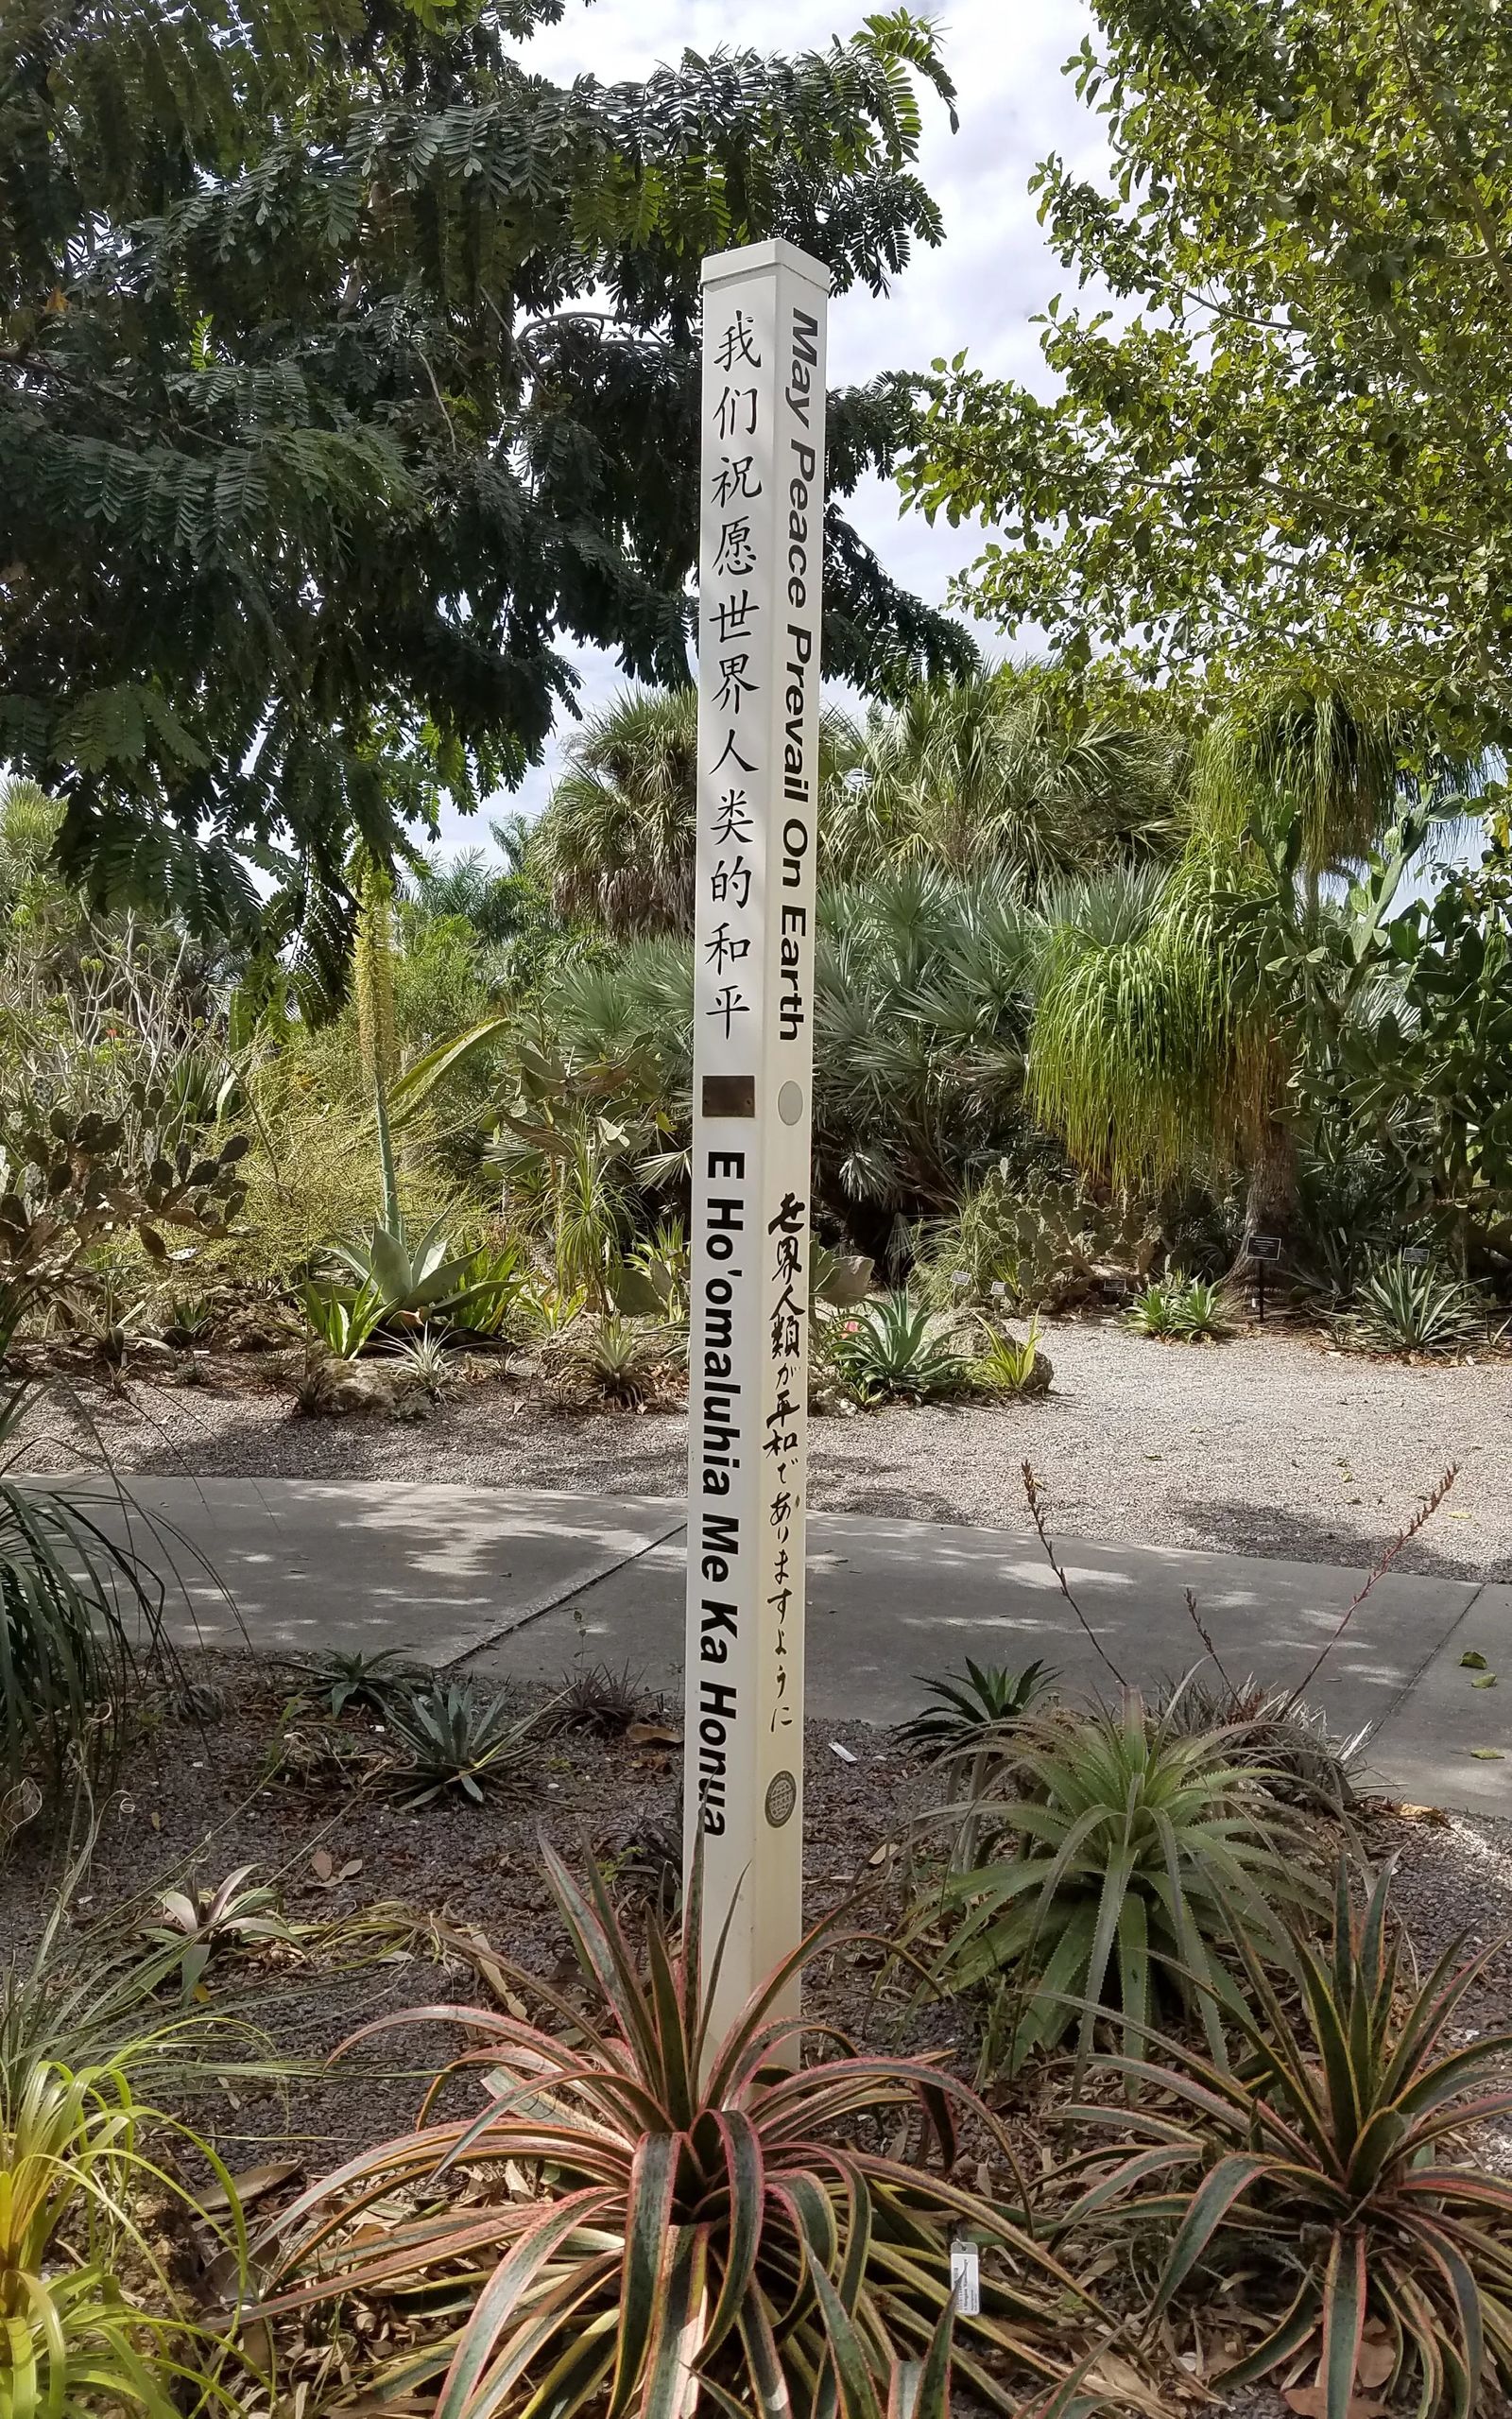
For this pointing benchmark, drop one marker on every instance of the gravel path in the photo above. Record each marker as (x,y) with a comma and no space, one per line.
(1269,1444)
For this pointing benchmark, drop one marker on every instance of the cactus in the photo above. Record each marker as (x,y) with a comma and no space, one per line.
(1043,1249)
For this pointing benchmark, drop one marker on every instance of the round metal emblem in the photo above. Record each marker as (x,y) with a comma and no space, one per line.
(782,1797)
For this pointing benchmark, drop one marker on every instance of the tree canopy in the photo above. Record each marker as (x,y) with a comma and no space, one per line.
(346,365)
(1287,439)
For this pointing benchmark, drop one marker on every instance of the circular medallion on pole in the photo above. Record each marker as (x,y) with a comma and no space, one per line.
(782,1797)
(790,1104)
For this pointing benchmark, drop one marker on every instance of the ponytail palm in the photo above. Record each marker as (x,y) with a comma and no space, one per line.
(1151,1048)
(1169,1018)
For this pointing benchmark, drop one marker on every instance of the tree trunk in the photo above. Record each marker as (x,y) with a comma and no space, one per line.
(1271,1207)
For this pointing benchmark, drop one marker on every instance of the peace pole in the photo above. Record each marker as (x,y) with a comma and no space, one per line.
(761,555)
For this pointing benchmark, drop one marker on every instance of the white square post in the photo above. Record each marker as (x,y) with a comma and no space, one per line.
(761,559)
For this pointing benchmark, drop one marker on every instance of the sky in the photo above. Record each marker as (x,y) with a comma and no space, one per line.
(978,290)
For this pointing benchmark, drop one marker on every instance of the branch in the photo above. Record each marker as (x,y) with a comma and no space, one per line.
(1037,1516)
(1404,1537)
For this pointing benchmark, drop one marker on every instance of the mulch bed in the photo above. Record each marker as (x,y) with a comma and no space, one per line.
(276,1782)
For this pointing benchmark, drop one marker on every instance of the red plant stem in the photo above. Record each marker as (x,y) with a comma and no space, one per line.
(1404,1537)
(1037,1516)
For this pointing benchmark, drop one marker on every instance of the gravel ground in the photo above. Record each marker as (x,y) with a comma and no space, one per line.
(1268,1445)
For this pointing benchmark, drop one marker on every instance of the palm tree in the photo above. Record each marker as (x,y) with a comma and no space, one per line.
(1167,1026)
(615,845)
(992,772)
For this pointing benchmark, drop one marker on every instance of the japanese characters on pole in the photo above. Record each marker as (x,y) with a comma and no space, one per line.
(760,563)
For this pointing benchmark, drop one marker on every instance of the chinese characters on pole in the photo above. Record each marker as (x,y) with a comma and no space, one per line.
(760,563)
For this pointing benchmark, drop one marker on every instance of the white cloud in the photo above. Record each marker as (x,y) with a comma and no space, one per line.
(978,290)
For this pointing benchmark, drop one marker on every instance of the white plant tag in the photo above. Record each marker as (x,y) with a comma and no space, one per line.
(966,2279)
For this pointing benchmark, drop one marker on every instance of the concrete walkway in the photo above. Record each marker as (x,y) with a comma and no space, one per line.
(499,1582)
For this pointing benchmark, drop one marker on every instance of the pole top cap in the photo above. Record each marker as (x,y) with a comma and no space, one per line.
(750,260)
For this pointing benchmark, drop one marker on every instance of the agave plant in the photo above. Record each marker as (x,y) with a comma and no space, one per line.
(237,1913)
(408,1278)
(974,1707)
(455,1740)
(1410,1306)
(1138,1849)
(1321,2157)
(359,1678)
(702,2223)
(893,1346)
(1189,1309)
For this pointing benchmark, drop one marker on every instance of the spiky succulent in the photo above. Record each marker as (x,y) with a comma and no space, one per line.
(453,1738)
(708,2224)
(1323,2156)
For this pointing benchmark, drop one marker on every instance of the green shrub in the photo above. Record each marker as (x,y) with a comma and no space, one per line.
(81,1613)
(1407,1306)
(1321,2161)
(1301,1758)
(341,1317)
(91,2188)
(615,1359)
(1127,1854)
(705,2220)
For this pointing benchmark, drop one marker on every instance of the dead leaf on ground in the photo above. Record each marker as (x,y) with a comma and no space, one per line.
(252,2184)
(1378,2357)
(1433,1814)
(653,1735)
(1311,2402)
(1116,2376)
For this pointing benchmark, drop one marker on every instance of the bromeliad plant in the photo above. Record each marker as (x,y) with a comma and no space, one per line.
(1004,1365)
(1187,1310)
(1132,1852)
(706,2226)
(1323,2150)
(238,1913)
